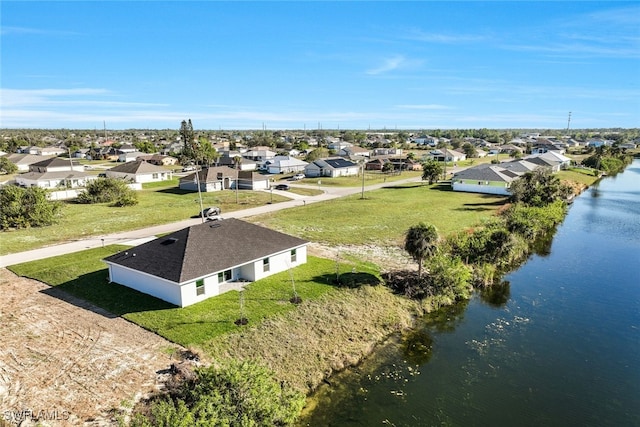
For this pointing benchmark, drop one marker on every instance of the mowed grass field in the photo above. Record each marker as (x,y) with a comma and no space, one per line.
(159,203)
(384,215)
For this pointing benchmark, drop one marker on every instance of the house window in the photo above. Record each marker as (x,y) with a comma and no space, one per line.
(294,256)
(265,264)
(200,287)
(224,276)
(154,176)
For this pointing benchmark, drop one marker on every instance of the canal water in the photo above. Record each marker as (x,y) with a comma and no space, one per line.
(557,345)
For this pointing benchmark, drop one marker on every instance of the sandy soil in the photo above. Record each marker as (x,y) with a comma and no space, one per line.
(68,361)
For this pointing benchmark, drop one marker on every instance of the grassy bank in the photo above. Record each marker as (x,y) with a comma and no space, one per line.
(305,346)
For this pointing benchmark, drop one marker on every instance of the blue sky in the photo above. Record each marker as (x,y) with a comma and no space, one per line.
(295,65)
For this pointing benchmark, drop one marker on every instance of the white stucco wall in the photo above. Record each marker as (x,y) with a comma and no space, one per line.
(146,283)
(185,294)
(484,189)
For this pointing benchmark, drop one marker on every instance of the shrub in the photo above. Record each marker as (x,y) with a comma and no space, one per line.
(449,276)
(108,190)
(233,394)
(26,207)
(533,222)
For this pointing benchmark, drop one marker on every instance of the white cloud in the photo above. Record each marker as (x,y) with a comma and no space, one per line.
(424,107)
(393,63)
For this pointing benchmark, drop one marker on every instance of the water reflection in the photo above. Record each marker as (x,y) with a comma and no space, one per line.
(496,295)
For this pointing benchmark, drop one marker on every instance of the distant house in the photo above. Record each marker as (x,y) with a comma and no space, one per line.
(210,179)
(139,171)
(332,167)
(158,159)
(259,155)
(249,180)
(129,156)
(376,164)
(448,155)
(205,260)
(551,159)
(23,161)
(426,140)
(285,164)
(51,151)
(228,159)
(354,151)
(54,172)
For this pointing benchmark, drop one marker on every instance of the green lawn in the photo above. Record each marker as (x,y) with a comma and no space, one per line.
(84,275)
(581,175)
(370,178)
(160,203)
(384,215)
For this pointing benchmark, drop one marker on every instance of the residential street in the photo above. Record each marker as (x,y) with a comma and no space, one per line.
(138,236)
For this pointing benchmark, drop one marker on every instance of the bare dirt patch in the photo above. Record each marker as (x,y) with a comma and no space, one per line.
(63,358)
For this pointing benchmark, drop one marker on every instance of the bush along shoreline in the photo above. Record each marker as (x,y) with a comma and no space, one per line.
(261,375)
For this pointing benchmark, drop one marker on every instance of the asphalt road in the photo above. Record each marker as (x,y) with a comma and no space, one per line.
(135,237)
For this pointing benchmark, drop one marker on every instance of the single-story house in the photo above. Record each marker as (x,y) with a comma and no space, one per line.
(54,172)
(551,159)
(205,260)
(159,159)
(331,167)
(139,171)
(259,154)
(354,151)
(486,178)
(23,161)
(249,180)
(446,154)
(51,151)
(129,156)
(285,164)
(210,179)
(228,159)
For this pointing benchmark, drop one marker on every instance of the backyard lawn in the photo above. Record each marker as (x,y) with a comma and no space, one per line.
(84,275)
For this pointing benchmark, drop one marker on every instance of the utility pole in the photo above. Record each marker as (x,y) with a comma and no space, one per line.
(199,193)
(568,121)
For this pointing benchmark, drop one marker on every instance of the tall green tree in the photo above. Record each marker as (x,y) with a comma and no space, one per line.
(189,149)
(431,171)
(421,242)
(6,166)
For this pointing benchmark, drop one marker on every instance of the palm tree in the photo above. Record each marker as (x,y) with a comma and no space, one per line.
(421,241)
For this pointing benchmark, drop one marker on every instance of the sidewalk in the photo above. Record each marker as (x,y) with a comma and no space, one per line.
(135,237)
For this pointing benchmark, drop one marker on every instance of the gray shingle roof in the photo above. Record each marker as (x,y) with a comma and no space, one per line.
(485,172)
(137,167)
(203,249)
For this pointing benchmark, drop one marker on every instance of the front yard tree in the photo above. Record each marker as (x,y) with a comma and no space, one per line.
(26,207)
(421,242)
(431,170)
(6,166)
